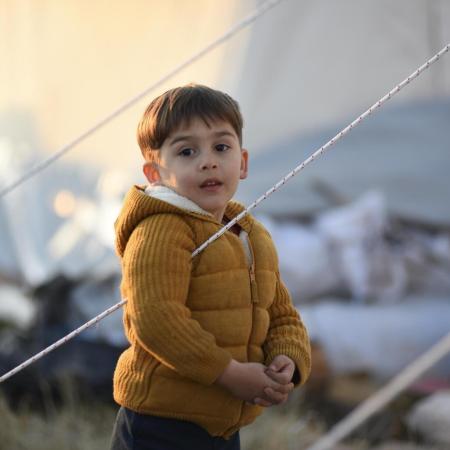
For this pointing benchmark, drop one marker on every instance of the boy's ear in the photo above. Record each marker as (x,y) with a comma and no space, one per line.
(244,164)
(151,172)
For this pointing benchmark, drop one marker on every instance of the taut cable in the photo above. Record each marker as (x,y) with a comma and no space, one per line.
(382,397)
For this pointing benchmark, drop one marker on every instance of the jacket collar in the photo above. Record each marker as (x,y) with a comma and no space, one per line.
(138,206)
(168,195)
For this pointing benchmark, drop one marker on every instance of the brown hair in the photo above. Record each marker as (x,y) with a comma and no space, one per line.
(179,105)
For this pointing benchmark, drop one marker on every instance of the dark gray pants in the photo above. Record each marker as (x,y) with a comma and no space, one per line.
(134,431)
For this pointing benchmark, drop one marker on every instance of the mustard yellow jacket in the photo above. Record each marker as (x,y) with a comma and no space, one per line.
(185,318)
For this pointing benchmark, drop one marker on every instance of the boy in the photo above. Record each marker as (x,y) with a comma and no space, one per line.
(213,338)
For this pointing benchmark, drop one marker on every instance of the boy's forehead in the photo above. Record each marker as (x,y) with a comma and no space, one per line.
(198,126)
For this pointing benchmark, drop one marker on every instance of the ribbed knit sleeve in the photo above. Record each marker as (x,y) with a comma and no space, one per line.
(287,335)
(156,268)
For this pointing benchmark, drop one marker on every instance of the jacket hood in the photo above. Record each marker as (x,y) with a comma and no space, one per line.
(138,205)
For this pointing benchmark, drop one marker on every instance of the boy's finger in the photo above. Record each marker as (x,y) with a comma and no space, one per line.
(274,396)
(280,362)
(280,377)
(283,388)
(262,402)
(280,387)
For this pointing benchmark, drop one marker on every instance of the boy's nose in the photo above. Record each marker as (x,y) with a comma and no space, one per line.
(209,165)
(209,162)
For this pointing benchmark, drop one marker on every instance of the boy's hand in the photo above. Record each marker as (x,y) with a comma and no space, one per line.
(281,370)
(247,381)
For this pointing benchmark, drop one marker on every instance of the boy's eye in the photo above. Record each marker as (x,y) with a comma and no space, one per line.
(186,152)
(222,147)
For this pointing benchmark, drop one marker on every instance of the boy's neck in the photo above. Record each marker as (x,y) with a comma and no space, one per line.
(168,195)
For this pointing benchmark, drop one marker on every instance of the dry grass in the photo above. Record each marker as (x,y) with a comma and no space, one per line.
(74,426)
(281,428)
(79,425)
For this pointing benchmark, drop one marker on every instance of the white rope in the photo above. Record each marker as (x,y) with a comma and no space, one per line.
(311,158)
(384,395)
(62,341)
(325,147)
(259,11)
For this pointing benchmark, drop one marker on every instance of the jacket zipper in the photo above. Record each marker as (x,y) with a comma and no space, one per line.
(253,300)
(253,287)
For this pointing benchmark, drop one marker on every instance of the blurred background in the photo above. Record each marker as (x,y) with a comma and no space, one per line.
(363,233)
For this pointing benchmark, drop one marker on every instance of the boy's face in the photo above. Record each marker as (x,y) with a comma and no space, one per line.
(203,163)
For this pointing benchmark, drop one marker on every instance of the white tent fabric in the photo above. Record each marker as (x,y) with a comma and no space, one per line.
(309,64)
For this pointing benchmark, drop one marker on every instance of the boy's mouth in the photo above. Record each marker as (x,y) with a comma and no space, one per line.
(211,183)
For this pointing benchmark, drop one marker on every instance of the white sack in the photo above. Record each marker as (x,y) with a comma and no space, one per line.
(431,418)
(378,339)
(305,264)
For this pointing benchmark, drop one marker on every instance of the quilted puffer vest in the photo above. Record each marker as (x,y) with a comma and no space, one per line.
(185,318)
